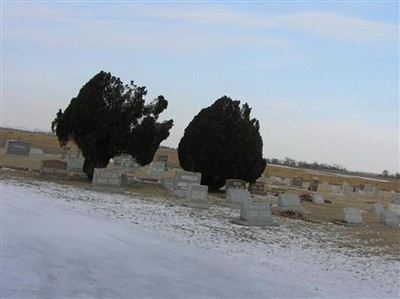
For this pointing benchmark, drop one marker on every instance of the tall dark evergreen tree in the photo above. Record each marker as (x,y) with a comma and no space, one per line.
(223,142)
(108,118)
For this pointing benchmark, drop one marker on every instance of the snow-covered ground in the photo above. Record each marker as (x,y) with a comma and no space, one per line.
(63,242)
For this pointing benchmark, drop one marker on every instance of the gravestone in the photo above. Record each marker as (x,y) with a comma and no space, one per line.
(156,168)
(389,218)
(106,180)
(17,148)
(167,183)
(289,202)
(162,159)
(197,197)
(296,182)
(127,165)
(377,208)
(53,168)
(313,185)
(375,192)
(334,189)
(286,181)
(325,185)
(117,160)
(352,216)
(347,189)
(36,152)
(235,198)
(75,162)
(318,199)
(361,192)
(235,184)
(257,188)
(256,214)
(394,208)
(395,198)
(183,179)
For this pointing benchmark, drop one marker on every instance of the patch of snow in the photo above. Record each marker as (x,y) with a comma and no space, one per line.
(61,241)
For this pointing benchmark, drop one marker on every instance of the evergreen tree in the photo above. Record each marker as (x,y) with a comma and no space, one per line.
(108,118)
(223,142)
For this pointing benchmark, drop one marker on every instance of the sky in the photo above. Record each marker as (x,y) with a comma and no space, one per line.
(321,77)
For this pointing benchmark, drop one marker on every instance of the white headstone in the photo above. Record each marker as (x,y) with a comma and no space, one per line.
(375,192)
(156,168)
(36,152)
(106,180)
(75,162)
(352,216)
(289,202)
(167,183)
(394,208)
(238,196)
(347,189)
(256,214)
(183,179)
(197,197)
(389,218)
(396,198)
(377,208)
(318,198)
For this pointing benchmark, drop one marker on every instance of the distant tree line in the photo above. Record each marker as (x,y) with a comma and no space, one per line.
(303,164)
(324,166)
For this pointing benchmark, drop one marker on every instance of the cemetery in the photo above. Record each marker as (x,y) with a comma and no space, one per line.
(364,222)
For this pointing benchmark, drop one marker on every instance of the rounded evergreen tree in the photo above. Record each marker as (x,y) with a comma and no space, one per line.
(223,142)
(108,118)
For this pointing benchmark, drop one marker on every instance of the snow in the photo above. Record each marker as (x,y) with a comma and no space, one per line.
(64,242)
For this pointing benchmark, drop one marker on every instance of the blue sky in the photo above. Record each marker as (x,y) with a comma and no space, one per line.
(322,77)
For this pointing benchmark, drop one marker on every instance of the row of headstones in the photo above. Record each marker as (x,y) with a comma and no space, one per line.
(21,148)
(295,182)
(74,164)
(348,189)
(236,196)
(352,216)
(389,217)
(188,183)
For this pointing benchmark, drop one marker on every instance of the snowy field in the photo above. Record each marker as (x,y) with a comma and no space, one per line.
(59,241)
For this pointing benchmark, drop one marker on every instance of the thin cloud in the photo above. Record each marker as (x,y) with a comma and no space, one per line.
(189,28)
